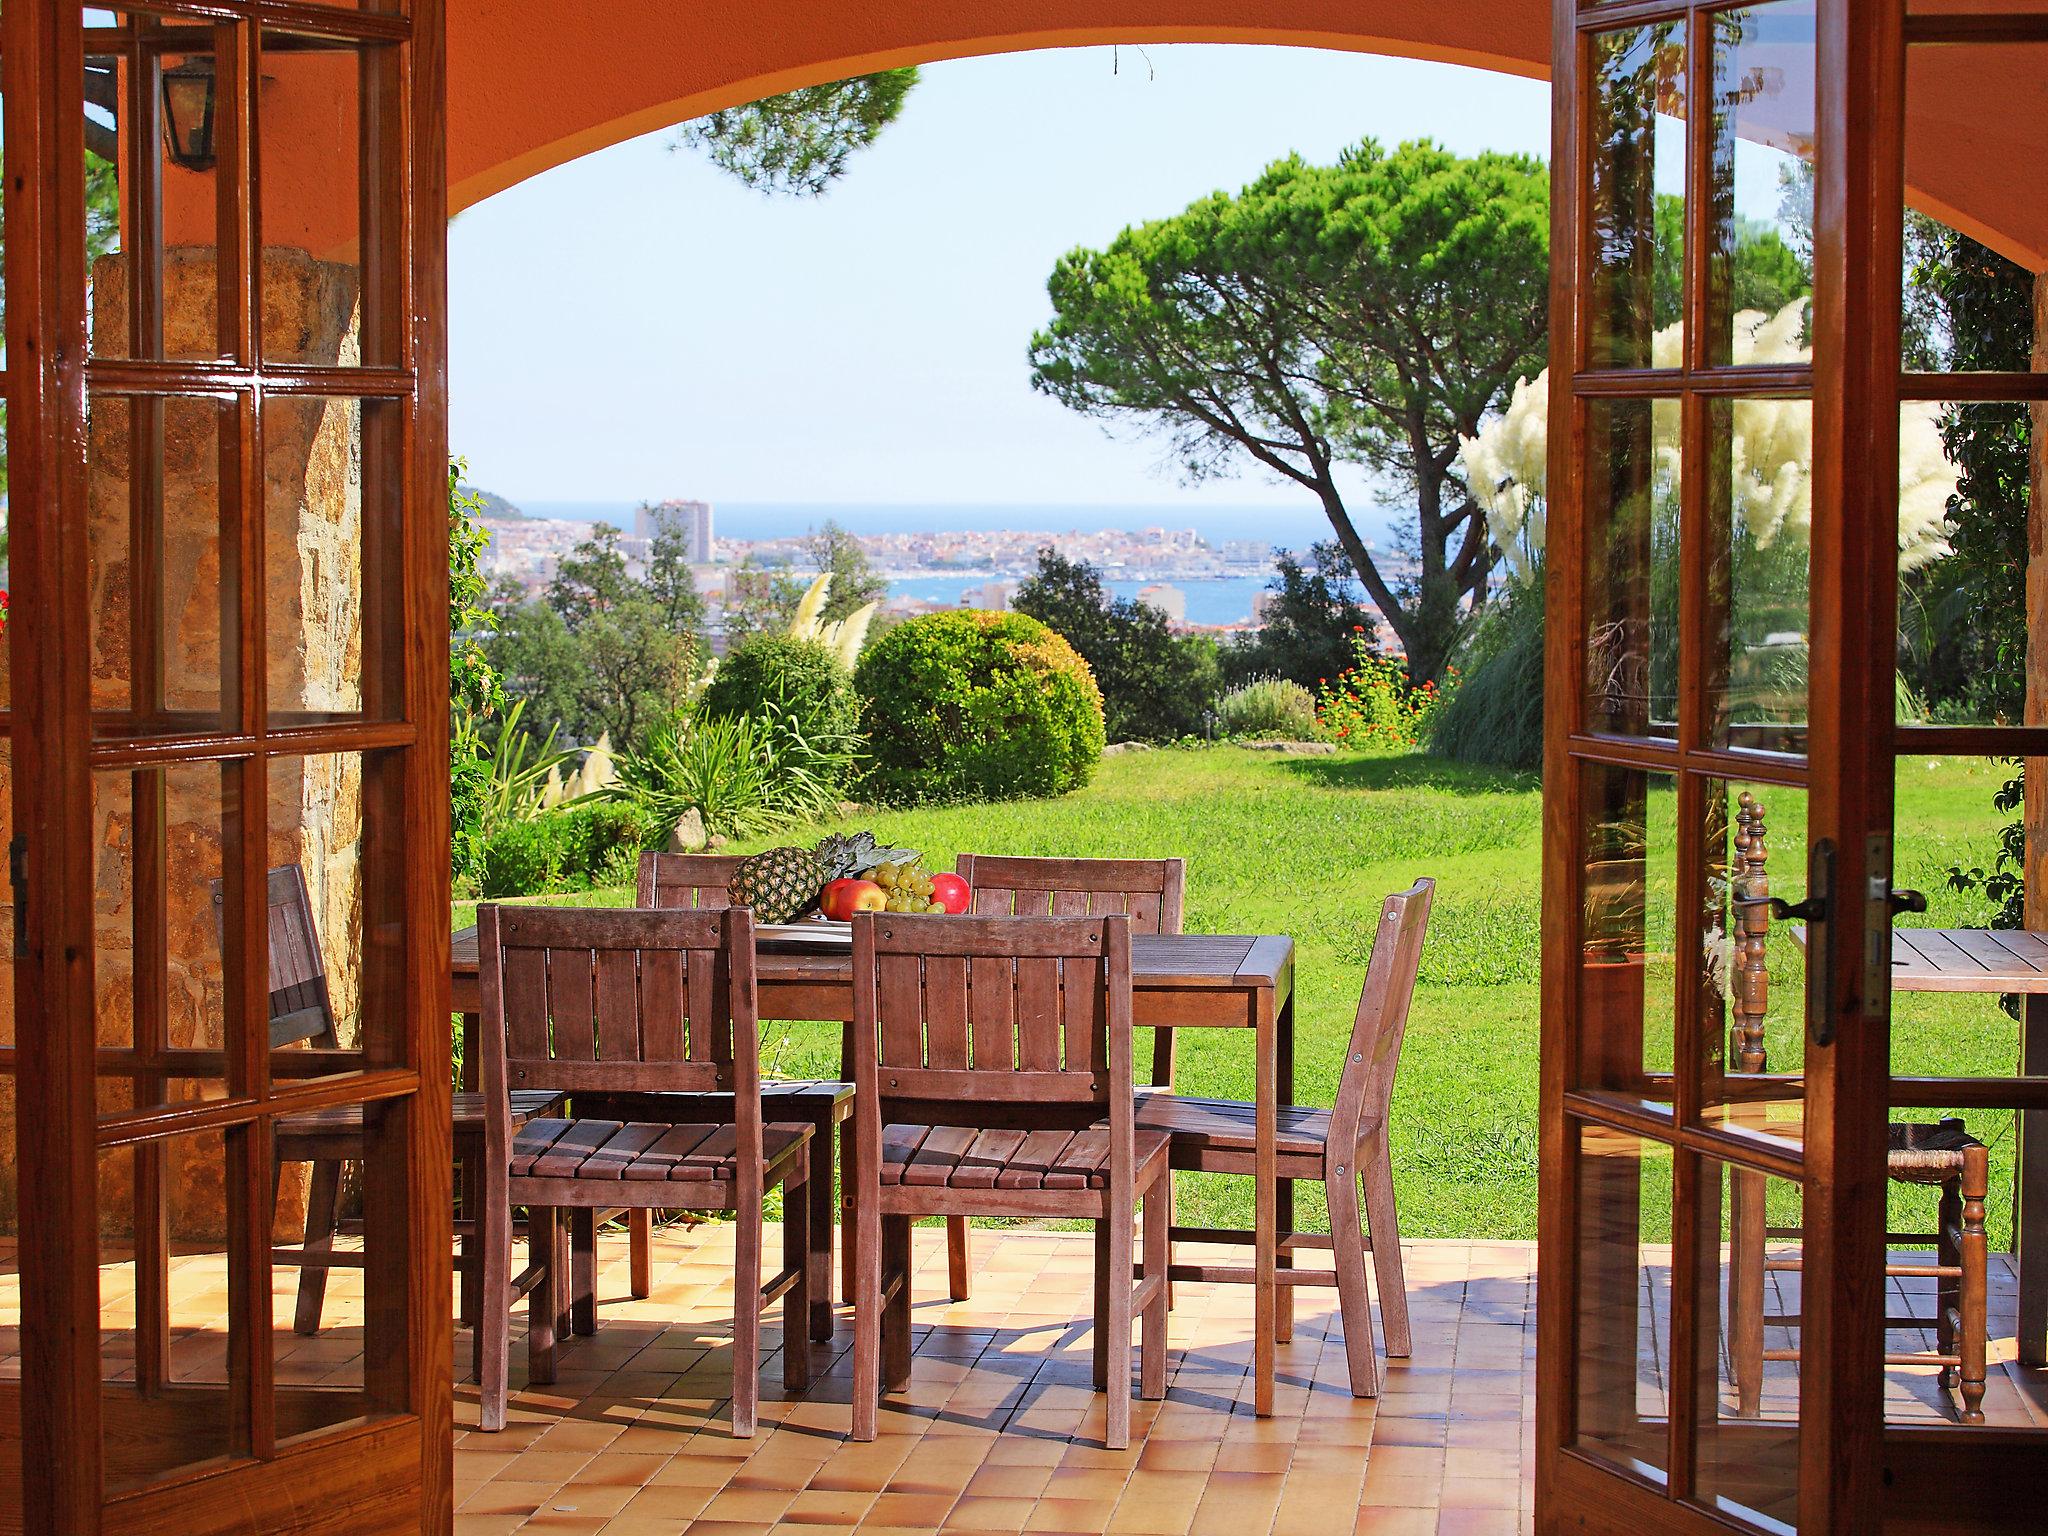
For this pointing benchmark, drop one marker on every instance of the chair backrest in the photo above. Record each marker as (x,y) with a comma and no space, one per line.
(598,1001)
(301,1008)
(1366,1086)
(670,881)
(964,1013)
(1150,892)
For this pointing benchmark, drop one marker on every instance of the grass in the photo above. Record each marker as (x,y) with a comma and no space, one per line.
(1307,845)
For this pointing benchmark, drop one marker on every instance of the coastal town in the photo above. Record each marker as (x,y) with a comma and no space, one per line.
(525,550)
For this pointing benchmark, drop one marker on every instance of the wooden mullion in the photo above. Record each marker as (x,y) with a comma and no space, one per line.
(335,24)
(1973,387)
(149,899)
(1777,381)
(177,376)
(294,741)
(1970,740)
(1985,27)
(1611,17)
(237,256)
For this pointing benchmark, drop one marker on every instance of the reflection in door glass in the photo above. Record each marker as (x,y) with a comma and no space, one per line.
(1627,975)
(1760,251)
(1759,508)
(1636,190)
(1624,1299)
(1631,567)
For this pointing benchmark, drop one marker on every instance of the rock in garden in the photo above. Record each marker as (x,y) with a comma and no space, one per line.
(689,835)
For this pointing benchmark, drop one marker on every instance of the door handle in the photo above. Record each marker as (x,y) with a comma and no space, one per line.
(1811,910)
(1817,912)
(1907,901)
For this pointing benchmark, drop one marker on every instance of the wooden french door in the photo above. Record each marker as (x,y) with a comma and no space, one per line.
(226,460)
(1722,585)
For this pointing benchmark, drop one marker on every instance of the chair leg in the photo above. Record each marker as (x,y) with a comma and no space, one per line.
(1376,1164)
(818,1231)
(323,1204)
(1746,1242)
(640,1230)
(492,1215)
(471,1185)
(867,1309)
(1972,1310)
(1166,1274)
(1948,1290)
(1158,1258)
(849,1280)
(746,1319)
(583,1271)
(896,1259)
(956,1258)
(1114,1322)
(800,1302)
(1099,1338)
(1354,1300)
(542,1308)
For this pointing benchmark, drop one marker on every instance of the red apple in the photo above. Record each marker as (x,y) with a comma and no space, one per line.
(842,898)
(951,892)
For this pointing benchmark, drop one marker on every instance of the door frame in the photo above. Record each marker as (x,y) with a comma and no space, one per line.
(398,1466)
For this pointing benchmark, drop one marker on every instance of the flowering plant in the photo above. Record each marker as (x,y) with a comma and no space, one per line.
(1373,702)
(3,610)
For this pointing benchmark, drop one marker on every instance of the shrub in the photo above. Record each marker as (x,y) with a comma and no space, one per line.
(1309,621)
(1155,684)
(1268,706)
(1372,703)
(801,676)
(572,848)
(744,774)
(977,706)
(1496,715)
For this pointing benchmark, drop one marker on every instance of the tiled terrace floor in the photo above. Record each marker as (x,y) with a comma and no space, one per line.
(1000,1430)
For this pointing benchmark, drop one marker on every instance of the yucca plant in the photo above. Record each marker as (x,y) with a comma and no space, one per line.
(521,770)
(744,774)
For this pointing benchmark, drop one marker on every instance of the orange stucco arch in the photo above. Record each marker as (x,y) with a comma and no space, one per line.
(534,83)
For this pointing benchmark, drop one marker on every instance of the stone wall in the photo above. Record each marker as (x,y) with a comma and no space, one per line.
(313,622)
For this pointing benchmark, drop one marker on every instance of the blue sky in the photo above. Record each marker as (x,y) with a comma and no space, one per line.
(634,324)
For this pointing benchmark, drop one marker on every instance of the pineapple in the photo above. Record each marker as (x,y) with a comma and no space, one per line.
(779,884)
(854,857)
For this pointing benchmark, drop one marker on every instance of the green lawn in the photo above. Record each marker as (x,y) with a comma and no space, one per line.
(1307,845)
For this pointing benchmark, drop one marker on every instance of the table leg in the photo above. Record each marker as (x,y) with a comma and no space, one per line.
(2030,1198)
(471,1186)
(1265,1204)
(1286,1210)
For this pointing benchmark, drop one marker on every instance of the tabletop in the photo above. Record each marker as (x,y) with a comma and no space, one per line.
(1177,961)
(1969,960)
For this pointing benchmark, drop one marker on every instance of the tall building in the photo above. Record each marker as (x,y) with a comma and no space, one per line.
(692,517)
(996,595)
(1169,600)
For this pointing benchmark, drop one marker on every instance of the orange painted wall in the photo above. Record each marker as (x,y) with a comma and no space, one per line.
(535,83)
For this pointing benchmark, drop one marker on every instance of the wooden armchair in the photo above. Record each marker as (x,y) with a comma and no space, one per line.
(1945,1156)
(1341,1147)
(1150,892)
(992,1063)
(612,1005)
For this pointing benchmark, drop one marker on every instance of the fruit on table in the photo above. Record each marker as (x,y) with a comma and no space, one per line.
(845,856)
(951,892)
(842,898)
(779,884)
(908,886)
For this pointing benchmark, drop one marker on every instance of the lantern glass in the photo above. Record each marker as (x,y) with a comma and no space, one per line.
(188,114)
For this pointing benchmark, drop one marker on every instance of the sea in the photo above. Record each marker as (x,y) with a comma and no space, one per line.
(1210,600)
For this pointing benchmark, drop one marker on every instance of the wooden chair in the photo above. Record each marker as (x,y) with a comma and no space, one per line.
(697,882)
(1150,892)
(1944,1155)
(302,1013)
(615,1004)
(1338,1147)
(992,1064)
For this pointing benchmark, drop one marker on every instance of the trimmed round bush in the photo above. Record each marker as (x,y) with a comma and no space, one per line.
(977,706)
(802,676)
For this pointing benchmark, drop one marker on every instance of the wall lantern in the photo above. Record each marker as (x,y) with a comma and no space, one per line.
(188,114)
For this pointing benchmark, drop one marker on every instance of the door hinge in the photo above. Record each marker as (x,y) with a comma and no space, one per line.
(17,874)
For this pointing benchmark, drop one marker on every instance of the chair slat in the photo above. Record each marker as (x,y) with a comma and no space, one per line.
(945,1011)
(617,980)
(566,1154)
(659,1159)
(710,1157)
(988,1154)
(1029,1163)
(661,1005)
(1038,1015)
(901,996)
(1077,1162)
(572,1004)
(938,1155)
(701,989)
(992,1014)
(526,1001)
(1082,1016)
(611,1160)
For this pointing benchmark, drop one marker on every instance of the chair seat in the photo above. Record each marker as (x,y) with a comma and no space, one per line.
(347,1119)
(644,1150)
(1231,1125)
(957,1157)
(1927,1154)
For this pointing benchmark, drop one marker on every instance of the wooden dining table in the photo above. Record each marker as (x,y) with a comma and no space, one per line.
(1178,981)
(1995,962)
